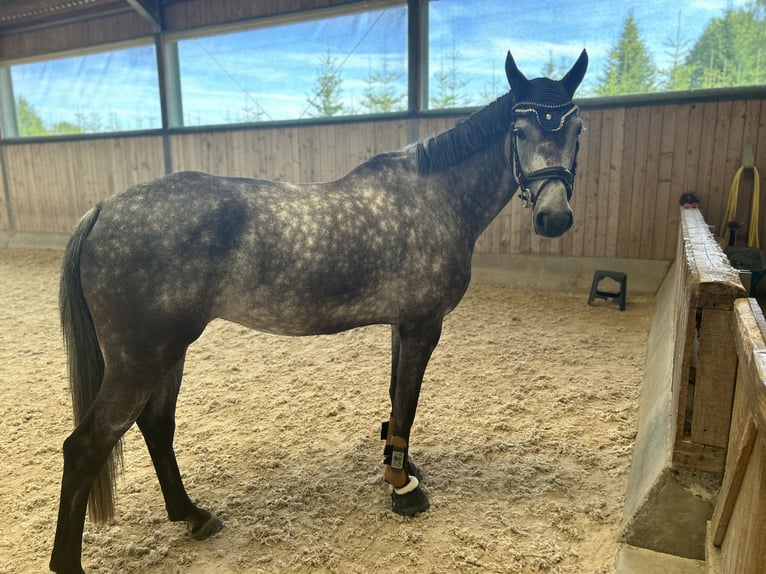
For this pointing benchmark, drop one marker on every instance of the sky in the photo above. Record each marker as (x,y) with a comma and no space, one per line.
(270,73)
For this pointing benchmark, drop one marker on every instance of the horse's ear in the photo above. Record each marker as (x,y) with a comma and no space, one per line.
(576,74)
(516,79)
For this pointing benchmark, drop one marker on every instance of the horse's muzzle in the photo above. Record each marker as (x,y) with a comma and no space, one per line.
(553,222)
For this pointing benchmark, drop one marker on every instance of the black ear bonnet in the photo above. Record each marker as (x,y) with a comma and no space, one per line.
(548,101)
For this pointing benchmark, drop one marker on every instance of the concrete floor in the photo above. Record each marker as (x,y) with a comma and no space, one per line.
(634,560)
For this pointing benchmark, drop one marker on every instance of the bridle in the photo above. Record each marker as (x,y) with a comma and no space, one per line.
(552,118)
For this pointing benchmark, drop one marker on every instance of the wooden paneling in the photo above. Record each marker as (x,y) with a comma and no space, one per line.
(55,183)
(119,22)
(196,13)
(714,380)
(634,164)
(123,26)
(300,153)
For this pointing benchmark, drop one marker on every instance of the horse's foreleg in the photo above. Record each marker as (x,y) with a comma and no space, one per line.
(396,342)
(388,426)
(157,424)
(416,342)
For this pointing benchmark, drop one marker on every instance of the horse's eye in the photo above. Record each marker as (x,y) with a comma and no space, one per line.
(519,134)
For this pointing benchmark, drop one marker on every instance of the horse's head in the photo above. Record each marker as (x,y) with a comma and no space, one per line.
(544,143)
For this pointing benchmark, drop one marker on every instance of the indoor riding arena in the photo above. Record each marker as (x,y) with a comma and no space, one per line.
(596,403)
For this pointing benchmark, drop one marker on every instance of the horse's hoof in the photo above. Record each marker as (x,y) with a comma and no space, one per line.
(411,503)
(211,526)
(55,567)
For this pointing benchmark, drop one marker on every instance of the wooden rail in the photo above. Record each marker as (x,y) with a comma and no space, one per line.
(736,539)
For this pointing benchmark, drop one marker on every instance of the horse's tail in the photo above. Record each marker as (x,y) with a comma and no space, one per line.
(86,363)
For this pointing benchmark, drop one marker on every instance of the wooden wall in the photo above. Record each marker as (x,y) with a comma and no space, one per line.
(197,13)
(293,153)
(75,35)
(634,163)
(53,184)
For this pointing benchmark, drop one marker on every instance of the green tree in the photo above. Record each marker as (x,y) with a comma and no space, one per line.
(731,50)
(553,69)
(450,83)
(29,122)
(383,94)
(629,69)
(65,128)
(493,88)
(678,75)
(326,98)
(251,111)
(89,122)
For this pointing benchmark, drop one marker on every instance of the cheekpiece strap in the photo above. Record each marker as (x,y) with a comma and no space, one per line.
(550,117)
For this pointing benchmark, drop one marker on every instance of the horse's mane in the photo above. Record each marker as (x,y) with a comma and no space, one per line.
(443,150)
(469,136)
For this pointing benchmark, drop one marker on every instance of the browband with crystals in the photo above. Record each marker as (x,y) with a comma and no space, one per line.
(550,117)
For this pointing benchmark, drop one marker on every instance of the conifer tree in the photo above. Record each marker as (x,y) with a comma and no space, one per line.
(630,69)
(731,50)
(326,99)
(678,76)
(382,94)
(450,84)
(29,122)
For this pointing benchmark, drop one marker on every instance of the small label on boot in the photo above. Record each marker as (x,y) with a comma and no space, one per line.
(397,459)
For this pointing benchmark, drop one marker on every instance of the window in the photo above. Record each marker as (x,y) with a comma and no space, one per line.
(339,66)
(98,92)
(356,63)
(635,46)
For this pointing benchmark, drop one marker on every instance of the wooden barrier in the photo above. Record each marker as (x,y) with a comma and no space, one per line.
(736,540)
(704,367)
(686,398)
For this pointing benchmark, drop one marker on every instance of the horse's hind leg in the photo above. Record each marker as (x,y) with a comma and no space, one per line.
(157,424)
(86,451)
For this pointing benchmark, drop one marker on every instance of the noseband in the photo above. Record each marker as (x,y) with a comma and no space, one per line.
(551,118)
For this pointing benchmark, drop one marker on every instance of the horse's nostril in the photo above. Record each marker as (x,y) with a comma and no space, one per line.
(553,225)
(540,221)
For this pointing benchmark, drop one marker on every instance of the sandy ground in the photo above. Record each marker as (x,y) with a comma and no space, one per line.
(524,431)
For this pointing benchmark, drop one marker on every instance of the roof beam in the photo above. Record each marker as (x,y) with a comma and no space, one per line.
(149,9)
